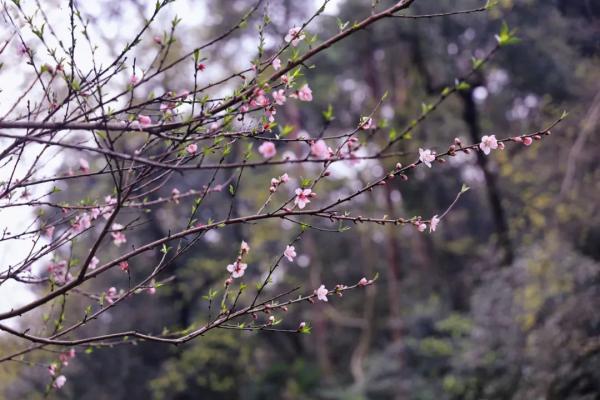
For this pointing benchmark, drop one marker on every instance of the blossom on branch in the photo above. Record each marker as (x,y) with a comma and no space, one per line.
(294,36)
(488,143)
(426,156)
(302,197)
(321,293)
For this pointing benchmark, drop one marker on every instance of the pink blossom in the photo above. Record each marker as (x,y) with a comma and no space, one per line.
(158,40)
(66,357)
(237,269)
(22,49)
(290,253)
(52,369)
(152,290)
(279,97)
(95,212)
(527,141)
(305,94)
(192,148)
(267,150)
(276,64)
(302,197)
(426,156)
(294,36)
(321,293)
(59,382)
(82,222)
(175,195)
(124,265)
(286,79)
(421,227)
(107,210)
(201,67)
(366,123)
(84,166)
(118,236)
(93,263)
(144,120)
(365,282)
(434,223)
(488,143)
(244,248)
(111,295)
(319,149)
(284,178)
(49,231)
(244,108)
(134,80)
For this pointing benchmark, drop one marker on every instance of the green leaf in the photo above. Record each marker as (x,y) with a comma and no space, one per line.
(506,36)
(393,134)
(462,85)
(328,114)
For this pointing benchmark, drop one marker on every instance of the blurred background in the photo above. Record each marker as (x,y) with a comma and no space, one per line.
(501,302)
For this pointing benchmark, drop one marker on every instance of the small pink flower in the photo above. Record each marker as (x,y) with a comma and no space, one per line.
(244,248)
(421,227)
(488,143)
(84,166)
(134,79)
(305,94)
(93,262)
(366,123)
(59,382)
(82,222)
(175,195)
(124,265)
(192,148)
(49,231)
(111,295)
(294,36)
(201,67)
(144,120)
(284,178)
(158,40)
(95,212)
(279,97)
(527,141)
(22,49)
(267,150)
(364,282)
(244,108)
(426,156)
(302,197)
(237,269)
(118,236)
(290,253)
(276,64)
(52,369)
(152,290)
(286,80)
(434,223)
(319,149)
(321,293)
